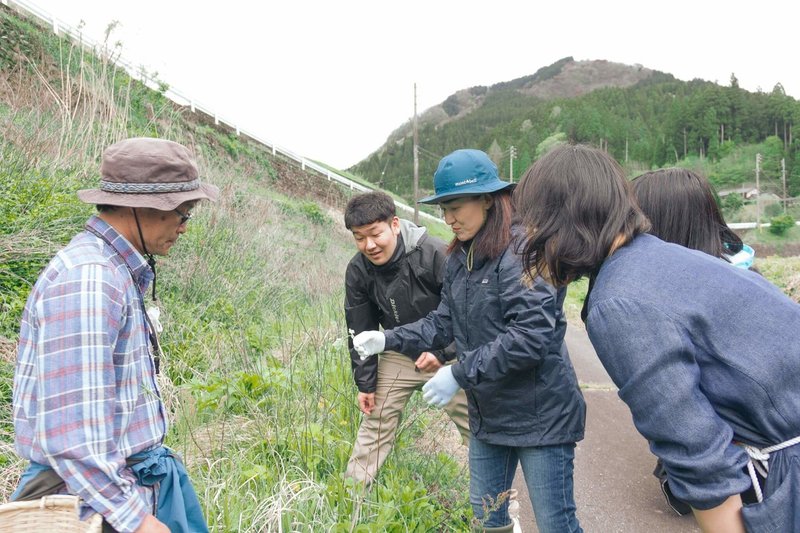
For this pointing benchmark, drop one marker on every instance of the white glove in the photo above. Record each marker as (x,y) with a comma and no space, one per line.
(441,388)
(369,343)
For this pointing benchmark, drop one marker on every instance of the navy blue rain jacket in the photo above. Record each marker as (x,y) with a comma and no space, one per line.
(512,360)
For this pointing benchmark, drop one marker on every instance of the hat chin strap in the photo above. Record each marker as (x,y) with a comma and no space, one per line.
(150,259)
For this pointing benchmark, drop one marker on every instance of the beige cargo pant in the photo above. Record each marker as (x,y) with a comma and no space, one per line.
(397,380)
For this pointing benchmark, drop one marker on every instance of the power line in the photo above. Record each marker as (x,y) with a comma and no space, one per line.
(429,153)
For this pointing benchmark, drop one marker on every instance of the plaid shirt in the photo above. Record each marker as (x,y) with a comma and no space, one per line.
(85,393)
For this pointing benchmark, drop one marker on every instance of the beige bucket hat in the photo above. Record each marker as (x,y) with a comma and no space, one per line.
(148,172)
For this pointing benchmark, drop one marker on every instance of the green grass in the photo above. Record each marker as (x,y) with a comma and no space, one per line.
(775,243)
(257,378)
(784,272)
(256,372)
(576,294)
(439,230)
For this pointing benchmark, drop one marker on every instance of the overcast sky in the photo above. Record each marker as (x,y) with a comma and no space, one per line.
(331,80)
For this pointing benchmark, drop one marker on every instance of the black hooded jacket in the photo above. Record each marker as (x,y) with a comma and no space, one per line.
(402,291)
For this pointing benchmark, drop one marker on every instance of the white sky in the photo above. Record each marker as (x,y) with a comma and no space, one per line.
(331,80)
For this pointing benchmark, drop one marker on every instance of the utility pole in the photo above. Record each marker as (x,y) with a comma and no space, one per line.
(511,153)
(758,193)
(783,178)
(416,161)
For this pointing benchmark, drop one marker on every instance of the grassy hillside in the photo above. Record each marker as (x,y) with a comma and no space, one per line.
(256,372)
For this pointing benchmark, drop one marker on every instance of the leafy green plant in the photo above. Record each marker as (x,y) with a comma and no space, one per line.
(732,204)
(313,213)
(241,392)
(780,224)
(310,210)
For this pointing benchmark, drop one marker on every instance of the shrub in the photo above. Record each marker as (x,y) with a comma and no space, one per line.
(780,224)
(732,203)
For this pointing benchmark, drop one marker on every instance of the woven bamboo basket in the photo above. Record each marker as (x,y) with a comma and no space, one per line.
(52,514)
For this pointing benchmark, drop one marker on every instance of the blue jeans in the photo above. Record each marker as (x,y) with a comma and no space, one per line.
(548,475)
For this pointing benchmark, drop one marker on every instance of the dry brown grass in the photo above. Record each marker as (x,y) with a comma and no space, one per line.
(67,109)
(8,350)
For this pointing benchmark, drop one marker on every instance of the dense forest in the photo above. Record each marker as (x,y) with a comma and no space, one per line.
(658,121)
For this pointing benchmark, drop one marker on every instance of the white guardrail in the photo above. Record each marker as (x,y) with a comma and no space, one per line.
(751,225)
(61,28)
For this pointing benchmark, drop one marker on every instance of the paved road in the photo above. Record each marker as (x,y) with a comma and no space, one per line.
(615,490)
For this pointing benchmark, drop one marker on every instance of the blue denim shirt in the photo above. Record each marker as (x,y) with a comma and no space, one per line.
(704,354)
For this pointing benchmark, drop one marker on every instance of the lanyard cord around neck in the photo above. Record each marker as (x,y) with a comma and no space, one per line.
(470,255)
(150,259)
(151,330)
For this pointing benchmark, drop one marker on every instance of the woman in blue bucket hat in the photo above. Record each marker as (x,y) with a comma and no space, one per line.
(525,406)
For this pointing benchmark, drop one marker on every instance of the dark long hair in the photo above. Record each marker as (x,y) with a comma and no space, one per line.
(683,210)
(577,207)
(494,236)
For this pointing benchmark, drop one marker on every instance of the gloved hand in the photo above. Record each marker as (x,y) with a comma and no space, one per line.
(441,388)
(369,343)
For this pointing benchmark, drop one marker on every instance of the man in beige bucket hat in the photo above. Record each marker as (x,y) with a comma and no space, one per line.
(88,413)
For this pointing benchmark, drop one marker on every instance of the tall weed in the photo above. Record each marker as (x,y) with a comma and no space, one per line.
(255,369)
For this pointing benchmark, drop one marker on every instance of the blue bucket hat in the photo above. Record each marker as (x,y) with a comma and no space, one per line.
(464,173)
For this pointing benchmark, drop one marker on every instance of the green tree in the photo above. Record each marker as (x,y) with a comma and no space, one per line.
(495,153)
(793,177)
(523,163)
(771,162)
(780,224)
(550,142)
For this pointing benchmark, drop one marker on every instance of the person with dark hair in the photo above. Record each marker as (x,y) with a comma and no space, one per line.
(395,278)
(705,355)
(682,209)
(525,406)
(88,414)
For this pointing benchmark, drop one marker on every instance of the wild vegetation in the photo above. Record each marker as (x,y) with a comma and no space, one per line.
(256,371)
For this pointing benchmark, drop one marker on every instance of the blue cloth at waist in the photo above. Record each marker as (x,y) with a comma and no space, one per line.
(31,472)
(177,504)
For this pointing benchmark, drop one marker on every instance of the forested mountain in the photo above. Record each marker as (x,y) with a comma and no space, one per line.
(644,118)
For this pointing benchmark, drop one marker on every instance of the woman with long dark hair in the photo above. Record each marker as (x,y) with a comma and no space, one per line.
(682,209)
(705,355)
(525,406)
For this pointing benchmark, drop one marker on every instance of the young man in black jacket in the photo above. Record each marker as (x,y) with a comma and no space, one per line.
(394,279)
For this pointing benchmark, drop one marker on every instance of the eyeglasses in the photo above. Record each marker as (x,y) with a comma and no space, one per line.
(185,217)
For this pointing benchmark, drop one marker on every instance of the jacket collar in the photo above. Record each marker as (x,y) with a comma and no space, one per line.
(411,233)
